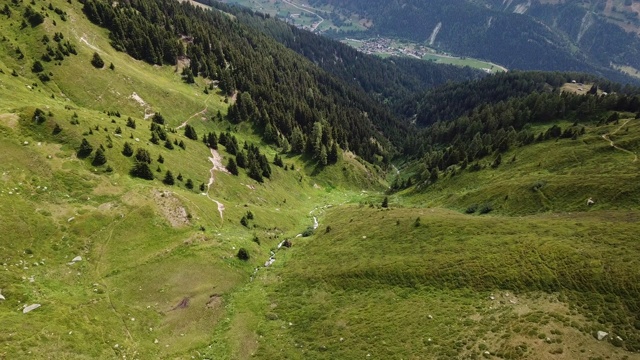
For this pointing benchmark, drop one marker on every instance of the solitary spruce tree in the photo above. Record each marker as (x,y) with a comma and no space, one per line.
(97,61)
(99,158)
(85,149)
(168,178)
(127,150)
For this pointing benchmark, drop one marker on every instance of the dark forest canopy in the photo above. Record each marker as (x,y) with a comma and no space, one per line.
(283,93)
(389,80)
(305,109)
(548,37)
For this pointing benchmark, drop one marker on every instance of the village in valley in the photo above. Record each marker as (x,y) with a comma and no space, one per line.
(390,47)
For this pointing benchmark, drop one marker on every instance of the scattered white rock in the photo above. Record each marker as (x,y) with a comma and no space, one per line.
(30,308)
(2,297)
(341,339)
(71,219)
(487,352)
(430,317)
(619,338)
(137,139)
(76,259)
(492,297)
(601,335)
(116,346)
(269,262)
(25,143)
(155,341)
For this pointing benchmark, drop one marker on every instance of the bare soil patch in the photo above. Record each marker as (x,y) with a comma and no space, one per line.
(171,208)
(214,302)
(10,120)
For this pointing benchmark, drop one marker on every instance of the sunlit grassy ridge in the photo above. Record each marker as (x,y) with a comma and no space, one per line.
(381,282)
(553,175)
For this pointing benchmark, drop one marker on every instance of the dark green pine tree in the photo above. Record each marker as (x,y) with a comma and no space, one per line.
(232,167)
(254,172)
(277,161)
(212,140)
(334,153)
(99,158)
(158,119)
(241,159)
(385,202)
(37,67)
(141,170)
(127,150)
(154,138)
(85,149)
(143,155)
(168,178)
(97,61)
(190,132)
(131,123)
(189,184)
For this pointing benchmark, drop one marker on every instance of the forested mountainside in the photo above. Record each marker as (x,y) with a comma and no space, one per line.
(453,100)
(606,31)
(293,102)
(389,80)
(546,37)
(467,122)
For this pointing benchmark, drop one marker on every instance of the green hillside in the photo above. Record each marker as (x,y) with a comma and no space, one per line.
(124,235)
(158,262)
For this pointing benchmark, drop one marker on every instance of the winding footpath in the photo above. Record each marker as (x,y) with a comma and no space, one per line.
(606,137)
(216,161)
(206,106)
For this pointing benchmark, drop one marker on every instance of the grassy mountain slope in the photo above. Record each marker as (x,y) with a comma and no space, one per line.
(159,275)
(378,285)
(536,278)
(555,175)
(158,262)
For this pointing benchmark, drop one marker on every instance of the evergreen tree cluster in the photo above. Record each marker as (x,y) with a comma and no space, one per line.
(278,90)
(494,128)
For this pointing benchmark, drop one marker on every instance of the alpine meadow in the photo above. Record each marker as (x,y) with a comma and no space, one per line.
(184,180)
